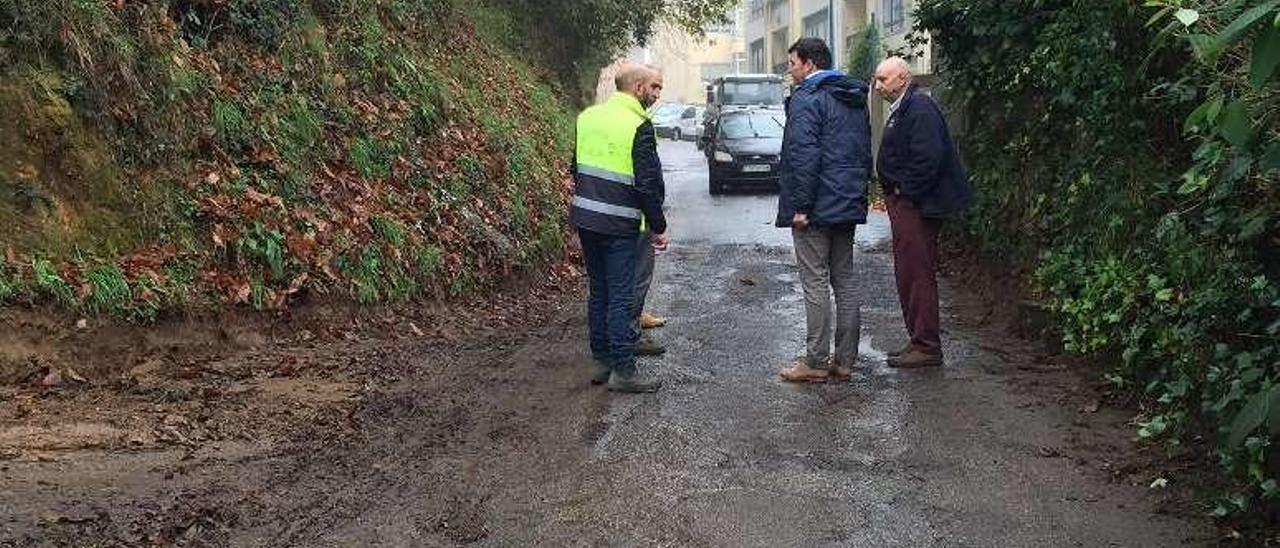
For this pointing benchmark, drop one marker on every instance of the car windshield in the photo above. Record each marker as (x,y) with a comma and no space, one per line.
(667,111)
(751,93)
(756,125)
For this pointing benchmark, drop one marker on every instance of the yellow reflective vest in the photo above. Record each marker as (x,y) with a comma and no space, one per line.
(604,196)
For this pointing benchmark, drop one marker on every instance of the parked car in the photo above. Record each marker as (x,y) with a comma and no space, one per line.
(667,116)
(689,125)
(746,148)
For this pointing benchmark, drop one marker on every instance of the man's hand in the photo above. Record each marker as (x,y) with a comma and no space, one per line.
(659,241)
(800,221)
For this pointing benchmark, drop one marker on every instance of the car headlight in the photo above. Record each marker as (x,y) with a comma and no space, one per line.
(722,156)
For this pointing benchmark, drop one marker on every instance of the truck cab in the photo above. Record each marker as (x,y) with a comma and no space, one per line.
(740,91)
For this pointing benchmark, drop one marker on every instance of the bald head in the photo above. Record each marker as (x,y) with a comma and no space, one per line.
(894,65)
(893,75)
(631,74)
(640,81)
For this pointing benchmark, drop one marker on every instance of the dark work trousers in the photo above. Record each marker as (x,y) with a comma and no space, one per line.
(611,270)
(915,267)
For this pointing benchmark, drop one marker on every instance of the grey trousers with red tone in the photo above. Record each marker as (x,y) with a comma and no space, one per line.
(915,267)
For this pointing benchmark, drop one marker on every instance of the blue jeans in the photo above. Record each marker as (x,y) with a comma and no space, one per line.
(611,268)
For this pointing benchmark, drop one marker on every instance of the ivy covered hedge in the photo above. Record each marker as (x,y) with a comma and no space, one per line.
(1129,154)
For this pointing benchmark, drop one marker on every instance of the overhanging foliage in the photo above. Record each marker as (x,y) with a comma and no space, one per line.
(1129,153)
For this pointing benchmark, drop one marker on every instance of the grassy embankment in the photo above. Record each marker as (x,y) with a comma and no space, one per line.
(162,156)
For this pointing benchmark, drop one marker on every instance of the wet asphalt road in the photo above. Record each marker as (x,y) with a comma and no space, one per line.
(728,455)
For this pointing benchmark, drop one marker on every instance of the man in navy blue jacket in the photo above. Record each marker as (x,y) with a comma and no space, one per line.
(924,183)
(826,160)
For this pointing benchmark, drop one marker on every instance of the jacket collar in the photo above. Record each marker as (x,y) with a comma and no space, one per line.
(628,102)
(816,79)
(902,101)
(911,91)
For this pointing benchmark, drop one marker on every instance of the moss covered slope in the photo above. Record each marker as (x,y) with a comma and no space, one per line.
(163,154)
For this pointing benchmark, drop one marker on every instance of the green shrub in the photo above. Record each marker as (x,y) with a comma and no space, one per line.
(299,132)
(428,260)
(366,271)
(265,23)
(423,89)
(10,284)
(390,230)
(1128,163)
(471,168)
(230,123)
(370,158)
(109,291)
(865,52)
(339,9)
(50,283)
(265,248)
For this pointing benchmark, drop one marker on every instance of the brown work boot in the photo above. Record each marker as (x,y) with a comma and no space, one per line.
(900,351)
(913,359)
(801,372)
(649,321)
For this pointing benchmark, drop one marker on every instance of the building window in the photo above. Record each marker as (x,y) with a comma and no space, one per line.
(756,10)
(779,13)
(756,56)
(818,25)
(895,16)
(778,46)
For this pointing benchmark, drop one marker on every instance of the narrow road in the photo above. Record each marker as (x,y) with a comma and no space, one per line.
(502,442)
(728,455)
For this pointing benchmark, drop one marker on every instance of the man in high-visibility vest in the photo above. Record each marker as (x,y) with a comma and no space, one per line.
(618,193)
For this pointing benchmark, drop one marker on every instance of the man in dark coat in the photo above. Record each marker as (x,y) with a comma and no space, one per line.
(924,183)
(826,160)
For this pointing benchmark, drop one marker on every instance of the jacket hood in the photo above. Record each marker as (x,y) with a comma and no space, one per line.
(844,88)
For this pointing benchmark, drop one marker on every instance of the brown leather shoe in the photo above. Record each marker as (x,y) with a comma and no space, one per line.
(899,352)
(649,321)
(801,372)
(913,359)
(649,347)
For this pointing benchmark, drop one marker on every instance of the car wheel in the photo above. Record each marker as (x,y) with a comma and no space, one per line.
(676,134)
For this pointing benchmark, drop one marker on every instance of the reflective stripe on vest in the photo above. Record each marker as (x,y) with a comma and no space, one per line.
(607,175)
(605,181)
(607,209)
(604,191)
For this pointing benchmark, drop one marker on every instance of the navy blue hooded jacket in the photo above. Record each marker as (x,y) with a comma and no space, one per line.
(918,159)
(826,152)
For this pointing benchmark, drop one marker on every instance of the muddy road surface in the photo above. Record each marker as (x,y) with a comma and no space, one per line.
(496,438)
